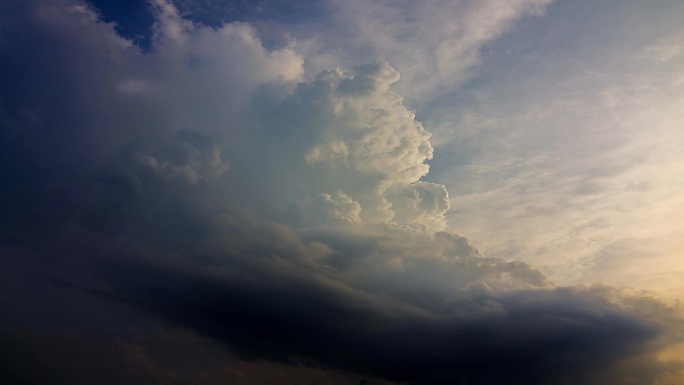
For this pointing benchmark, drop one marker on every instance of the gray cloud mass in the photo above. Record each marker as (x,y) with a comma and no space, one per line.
(208,183)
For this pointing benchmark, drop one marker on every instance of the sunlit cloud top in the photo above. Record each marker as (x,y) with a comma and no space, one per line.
(351,192)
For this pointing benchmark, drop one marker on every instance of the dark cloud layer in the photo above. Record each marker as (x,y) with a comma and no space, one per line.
(416,335)
(208,183)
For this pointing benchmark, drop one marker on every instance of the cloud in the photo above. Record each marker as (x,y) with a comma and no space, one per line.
(433,44)
(348,135)
(186,158)
(109,360)
(566,147)
(137,356)
(212,183)
(442,313)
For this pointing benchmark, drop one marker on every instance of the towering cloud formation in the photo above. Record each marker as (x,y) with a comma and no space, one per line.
(208,183)
(346,144)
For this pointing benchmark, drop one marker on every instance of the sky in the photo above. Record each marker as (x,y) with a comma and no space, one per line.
(341,192)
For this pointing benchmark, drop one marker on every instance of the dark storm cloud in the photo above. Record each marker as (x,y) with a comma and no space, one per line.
(269,303)
(48,356)
(207,183)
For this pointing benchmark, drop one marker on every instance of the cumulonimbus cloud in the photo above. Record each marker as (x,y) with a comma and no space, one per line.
(207,182)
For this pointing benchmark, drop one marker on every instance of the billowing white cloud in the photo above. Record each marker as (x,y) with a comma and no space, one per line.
(349,136)
(214,183)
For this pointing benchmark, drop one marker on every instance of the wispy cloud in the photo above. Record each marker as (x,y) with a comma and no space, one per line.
(574,151)
(214,184)
(433,44)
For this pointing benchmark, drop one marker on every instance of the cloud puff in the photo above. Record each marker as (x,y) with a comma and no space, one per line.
(185,156)
(348,135)
(207,183)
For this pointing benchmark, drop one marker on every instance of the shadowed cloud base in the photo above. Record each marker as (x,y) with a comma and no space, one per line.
(276,222)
